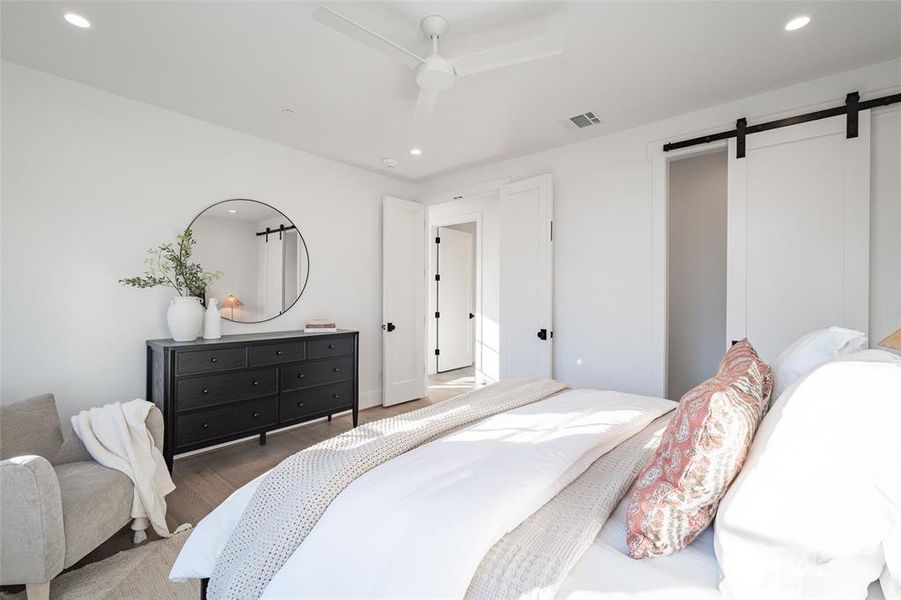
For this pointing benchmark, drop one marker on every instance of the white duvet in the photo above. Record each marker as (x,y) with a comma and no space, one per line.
(419,525)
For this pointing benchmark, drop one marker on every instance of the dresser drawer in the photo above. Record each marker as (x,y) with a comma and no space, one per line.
(276,354)
(205,361)
(331,346)
(223,421)
(210,390)
(316,372)
(320,400)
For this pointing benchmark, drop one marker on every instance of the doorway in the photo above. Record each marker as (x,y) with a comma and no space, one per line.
(455,296)
(696,257)
(460,273)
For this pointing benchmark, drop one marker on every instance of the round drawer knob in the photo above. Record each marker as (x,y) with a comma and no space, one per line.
(206,391)
(278,352)
(331,346)
(256,383)
(336,397)
(300,375)
(205,425)
(337,369)
(213,359)
(299,404)
(255,415)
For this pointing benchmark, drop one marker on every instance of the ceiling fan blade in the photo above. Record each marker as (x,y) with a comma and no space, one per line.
(505,56)
(425,105)
(344,25)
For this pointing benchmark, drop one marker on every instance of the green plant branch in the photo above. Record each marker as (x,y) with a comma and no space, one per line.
(168,267)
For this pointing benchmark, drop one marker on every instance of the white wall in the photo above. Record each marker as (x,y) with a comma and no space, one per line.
(91,180)
(230,246)
(697,270)
(603,227)
(487,332)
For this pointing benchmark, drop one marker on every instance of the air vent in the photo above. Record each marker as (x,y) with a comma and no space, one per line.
(585,120)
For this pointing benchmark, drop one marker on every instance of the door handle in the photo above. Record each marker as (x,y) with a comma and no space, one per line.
(389,327)
(471,316)
(542,334)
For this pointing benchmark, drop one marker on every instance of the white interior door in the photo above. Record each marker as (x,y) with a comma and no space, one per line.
(455,295)
(526,278)
(403,301)
(271,276)
(798,233)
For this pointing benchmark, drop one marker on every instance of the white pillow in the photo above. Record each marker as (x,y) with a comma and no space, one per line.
(812,350)
(818,496)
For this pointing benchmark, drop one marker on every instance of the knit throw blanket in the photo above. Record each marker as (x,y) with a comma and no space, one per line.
(532,561)
(296,493)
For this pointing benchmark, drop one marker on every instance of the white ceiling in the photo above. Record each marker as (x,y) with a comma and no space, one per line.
(239,64)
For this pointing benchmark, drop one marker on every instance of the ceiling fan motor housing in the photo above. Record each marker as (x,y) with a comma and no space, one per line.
(435,74)
(434,26)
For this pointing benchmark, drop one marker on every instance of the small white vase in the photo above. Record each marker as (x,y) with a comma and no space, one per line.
(185,318)
(212,321)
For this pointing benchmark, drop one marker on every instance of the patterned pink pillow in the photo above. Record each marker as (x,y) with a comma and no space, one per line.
(675,497)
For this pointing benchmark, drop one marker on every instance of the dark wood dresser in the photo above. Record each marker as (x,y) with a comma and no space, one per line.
(214,391)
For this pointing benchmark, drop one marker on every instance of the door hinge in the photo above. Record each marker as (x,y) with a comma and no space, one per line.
(437,351)
(437,315)
(437,277)
(438,240)
(552,231)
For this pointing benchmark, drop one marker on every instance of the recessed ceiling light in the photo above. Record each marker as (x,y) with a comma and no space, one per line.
(797,23)
(77,20)
(390,163)
(415,151)
(232,211)
(288,111)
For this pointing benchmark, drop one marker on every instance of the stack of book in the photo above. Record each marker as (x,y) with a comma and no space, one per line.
(320,326)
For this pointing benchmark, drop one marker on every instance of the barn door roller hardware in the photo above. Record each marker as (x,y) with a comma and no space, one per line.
(852,107)
(281,229)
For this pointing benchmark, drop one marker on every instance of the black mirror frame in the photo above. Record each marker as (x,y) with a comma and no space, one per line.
(306,251)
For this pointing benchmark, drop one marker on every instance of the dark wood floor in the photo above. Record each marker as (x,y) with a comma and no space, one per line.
(203,481)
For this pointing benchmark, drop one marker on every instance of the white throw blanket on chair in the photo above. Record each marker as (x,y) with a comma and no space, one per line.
(116,436)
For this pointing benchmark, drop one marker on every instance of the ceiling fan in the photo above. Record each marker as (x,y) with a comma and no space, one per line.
(436,73)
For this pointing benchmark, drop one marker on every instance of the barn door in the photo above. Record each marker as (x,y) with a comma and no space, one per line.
(798,233)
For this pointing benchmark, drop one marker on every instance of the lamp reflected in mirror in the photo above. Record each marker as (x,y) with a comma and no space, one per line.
(231,303)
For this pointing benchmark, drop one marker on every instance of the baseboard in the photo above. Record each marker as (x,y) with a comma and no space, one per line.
(370,399)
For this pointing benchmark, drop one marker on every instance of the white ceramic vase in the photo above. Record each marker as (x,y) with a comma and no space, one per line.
(212,321)
(185,318)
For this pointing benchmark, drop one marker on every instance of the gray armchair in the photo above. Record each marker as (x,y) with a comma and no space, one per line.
(56,503)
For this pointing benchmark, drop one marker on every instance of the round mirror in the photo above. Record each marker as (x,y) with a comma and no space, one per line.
(260,253)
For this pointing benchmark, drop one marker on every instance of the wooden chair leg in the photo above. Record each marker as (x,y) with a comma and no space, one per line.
(38,591)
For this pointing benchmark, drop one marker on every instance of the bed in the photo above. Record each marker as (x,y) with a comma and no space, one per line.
(527,499)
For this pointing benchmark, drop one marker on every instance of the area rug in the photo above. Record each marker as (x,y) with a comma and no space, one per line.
(141,573)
